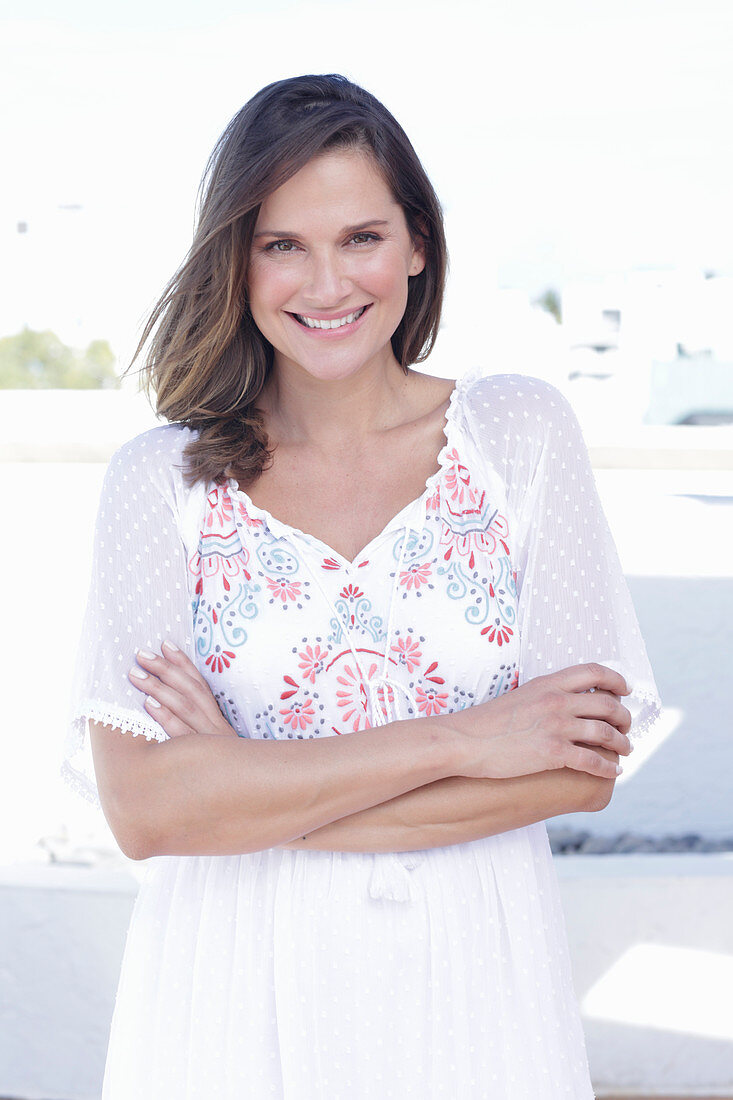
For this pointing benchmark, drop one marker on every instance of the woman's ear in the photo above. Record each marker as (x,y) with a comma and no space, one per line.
(417,263)
(419,241)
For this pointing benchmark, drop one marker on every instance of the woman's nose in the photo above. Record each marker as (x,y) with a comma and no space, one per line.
(328,280)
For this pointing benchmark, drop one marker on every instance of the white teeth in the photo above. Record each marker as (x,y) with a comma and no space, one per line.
(338,322)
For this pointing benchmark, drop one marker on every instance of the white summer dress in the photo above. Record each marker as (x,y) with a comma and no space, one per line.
(318,975)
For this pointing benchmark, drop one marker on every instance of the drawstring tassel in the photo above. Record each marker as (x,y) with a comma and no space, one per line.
(389,708)
(384,700)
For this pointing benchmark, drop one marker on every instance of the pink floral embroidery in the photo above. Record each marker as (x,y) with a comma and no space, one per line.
(291,688)
(416,575)
(219,510)
(353,698)
(244,515)
(472,535)
(351,592)
(433,502)
(220,660)
(283,589)
(431,674)
(465,520)
(299,715)
(471,525)
(311,662)
(408,653)
(220,551)
(458,479)
(497,631)
(217,562)
(431,701)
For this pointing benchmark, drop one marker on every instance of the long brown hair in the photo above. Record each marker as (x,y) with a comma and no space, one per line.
(206,360)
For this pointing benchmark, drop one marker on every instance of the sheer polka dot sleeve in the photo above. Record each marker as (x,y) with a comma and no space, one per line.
(138,594)
(574,605)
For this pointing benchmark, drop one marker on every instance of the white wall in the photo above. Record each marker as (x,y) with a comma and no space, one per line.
(62,933)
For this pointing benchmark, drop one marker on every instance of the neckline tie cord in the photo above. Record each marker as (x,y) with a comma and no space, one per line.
(390,878)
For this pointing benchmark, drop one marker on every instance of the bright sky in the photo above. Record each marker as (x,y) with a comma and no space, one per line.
(565,140)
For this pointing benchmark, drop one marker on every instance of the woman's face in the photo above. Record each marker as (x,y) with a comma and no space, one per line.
(327,274)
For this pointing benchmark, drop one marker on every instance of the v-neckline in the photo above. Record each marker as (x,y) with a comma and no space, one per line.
(286,530)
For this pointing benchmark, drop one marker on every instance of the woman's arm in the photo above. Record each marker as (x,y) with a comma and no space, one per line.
(208,792)
(459,809)
(224,795)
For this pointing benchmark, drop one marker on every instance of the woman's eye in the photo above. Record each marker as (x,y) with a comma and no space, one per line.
(364,238)
(280,246)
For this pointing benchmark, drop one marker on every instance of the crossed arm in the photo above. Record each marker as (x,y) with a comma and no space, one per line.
(436,808)
(459,809)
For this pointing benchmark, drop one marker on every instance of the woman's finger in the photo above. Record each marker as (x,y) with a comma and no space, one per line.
(164,716)
(172,725)
(176,684)
(181,675)
(175,670)
(156,692)
(582,759)
(592,731)
(181,660)
(596,676)
(603,705)
(180,701)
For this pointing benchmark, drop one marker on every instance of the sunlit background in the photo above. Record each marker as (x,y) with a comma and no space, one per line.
(582,154)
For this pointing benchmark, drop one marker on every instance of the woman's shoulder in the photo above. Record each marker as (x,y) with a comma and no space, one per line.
(503,395)
(512,423)
(162,441)
(513,409)
(157,447)
(153,456)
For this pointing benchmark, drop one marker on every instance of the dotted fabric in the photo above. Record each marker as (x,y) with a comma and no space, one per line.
(304,975)
(574,604)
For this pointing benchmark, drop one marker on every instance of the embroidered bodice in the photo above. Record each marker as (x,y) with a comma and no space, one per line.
(503,569)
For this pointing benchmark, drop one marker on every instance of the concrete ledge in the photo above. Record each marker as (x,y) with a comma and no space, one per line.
(663,447)
(664,458)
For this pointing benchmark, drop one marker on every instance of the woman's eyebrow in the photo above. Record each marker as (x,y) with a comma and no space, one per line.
(347,229)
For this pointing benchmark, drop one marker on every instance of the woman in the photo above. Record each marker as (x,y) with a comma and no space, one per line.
(338,545)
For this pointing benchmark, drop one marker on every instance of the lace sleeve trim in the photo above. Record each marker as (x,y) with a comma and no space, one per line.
(77,769)
(648,710)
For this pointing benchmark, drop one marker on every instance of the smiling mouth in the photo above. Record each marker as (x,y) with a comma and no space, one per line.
(333,323)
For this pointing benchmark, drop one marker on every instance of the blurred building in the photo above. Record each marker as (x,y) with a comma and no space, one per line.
(664,335)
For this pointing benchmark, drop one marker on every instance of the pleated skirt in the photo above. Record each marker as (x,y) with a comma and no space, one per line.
(299,975)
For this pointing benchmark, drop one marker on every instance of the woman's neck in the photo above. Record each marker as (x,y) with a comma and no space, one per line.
(302,410)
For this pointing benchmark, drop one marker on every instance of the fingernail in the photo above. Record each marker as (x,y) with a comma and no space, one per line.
(153,702)
(169,645)
(138,673)
(145,653)
(619,769)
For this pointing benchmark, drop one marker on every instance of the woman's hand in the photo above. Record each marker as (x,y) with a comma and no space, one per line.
(551,722)
(178,697)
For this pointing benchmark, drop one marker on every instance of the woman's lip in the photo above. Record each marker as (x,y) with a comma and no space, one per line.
(333,316)
(331,333)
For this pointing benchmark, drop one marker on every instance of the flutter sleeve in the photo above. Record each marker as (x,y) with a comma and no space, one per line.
(138,595)
(574,604)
